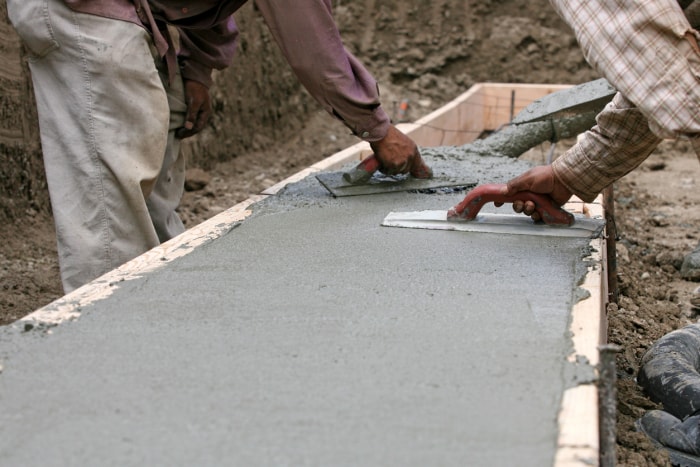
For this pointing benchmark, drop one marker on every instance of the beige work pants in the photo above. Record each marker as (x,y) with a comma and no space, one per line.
(107,121)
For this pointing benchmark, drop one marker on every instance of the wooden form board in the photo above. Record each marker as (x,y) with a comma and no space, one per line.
(484,107)
(579,440)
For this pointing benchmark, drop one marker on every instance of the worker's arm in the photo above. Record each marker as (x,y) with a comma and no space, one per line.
(658,96)
(648,51)
(208,35)
(619,142)
(310,41)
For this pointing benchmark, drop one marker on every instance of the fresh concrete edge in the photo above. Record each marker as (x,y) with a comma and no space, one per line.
(68,307)
(579,439)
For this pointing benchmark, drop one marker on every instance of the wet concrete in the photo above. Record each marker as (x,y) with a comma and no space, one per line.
(311,335)
(514,140)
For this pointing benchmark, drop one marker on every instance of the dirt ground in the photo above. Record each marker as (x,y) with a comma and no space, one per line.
(656,206)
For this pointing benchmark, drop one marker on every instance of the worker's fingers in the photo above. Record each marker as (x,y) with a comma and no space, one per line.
(198,109)
(525,207)
(419,169)
(198,114)
(541,180)
(396,152)
(402,169)
(538,180)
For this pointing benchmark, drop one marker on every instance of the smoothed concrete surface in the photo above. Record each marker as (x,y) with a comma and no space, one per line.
(311,335)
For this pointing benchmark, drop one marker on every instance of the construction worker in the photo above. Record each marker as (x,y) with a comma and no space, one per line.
(649,52)
(114,101)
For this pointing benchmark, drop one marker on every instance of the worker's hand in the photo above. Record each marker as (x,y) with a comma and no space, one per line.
(538,180)
(198,108)
(396,153)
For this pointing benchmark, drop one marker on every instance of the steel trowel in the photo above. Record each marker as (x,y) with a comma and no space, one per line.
(365,179)
(466,216)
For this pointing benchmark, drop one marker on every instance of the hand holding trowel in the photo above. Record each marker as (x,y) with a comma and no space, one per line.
(537,193)
(396,165)
(466,216)
(541,206)
(365,169)
(395,154)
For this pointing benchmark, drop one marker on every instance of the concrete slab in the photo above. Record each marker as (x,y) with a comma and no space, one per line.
(311,335)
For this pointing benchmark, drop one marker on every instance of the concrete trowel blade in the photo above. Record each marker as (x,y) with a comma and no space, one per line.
(517,224)
(334,182)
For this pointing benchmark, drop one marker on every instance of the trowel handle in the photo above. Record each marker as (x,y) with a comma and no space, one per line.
(548,210)
(364,170)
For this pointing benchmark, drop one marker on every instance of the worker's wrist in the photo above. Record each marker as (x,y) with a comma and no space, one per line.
(373,128)
(194,71)
(564,171)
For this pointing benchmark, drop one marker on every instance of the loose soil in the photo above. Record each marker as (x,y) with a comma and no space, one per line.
(655,206)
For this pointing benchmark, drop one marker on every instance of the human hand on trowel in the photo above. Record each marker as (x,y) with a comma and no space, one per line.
(394,154)
(537,193)
(542,180)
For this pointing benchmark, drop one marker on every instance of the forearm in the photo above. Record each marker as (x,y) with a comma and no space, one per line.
(311,44)
(620,141)
(648,51)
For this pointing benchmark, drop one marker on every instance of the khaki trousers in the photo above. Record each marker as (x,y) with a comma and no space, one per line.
(107,121)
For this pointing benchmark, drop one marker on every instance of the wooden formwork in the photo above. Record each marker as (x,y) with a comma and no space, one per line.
(484,107)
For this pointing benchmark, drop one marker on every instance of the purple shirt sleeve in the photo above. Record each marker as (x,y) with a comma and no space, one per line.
(202,50)
(310,41)
(208,34)
(305,31)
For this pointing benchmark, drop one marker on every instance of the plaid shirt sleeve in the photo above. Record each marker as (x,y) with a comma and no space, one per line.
(649,52)
(620,141)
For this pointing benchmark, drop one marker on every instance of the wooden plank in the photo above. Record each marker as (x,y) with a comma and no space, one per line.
(579,440)
(454,124)
(578,428)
